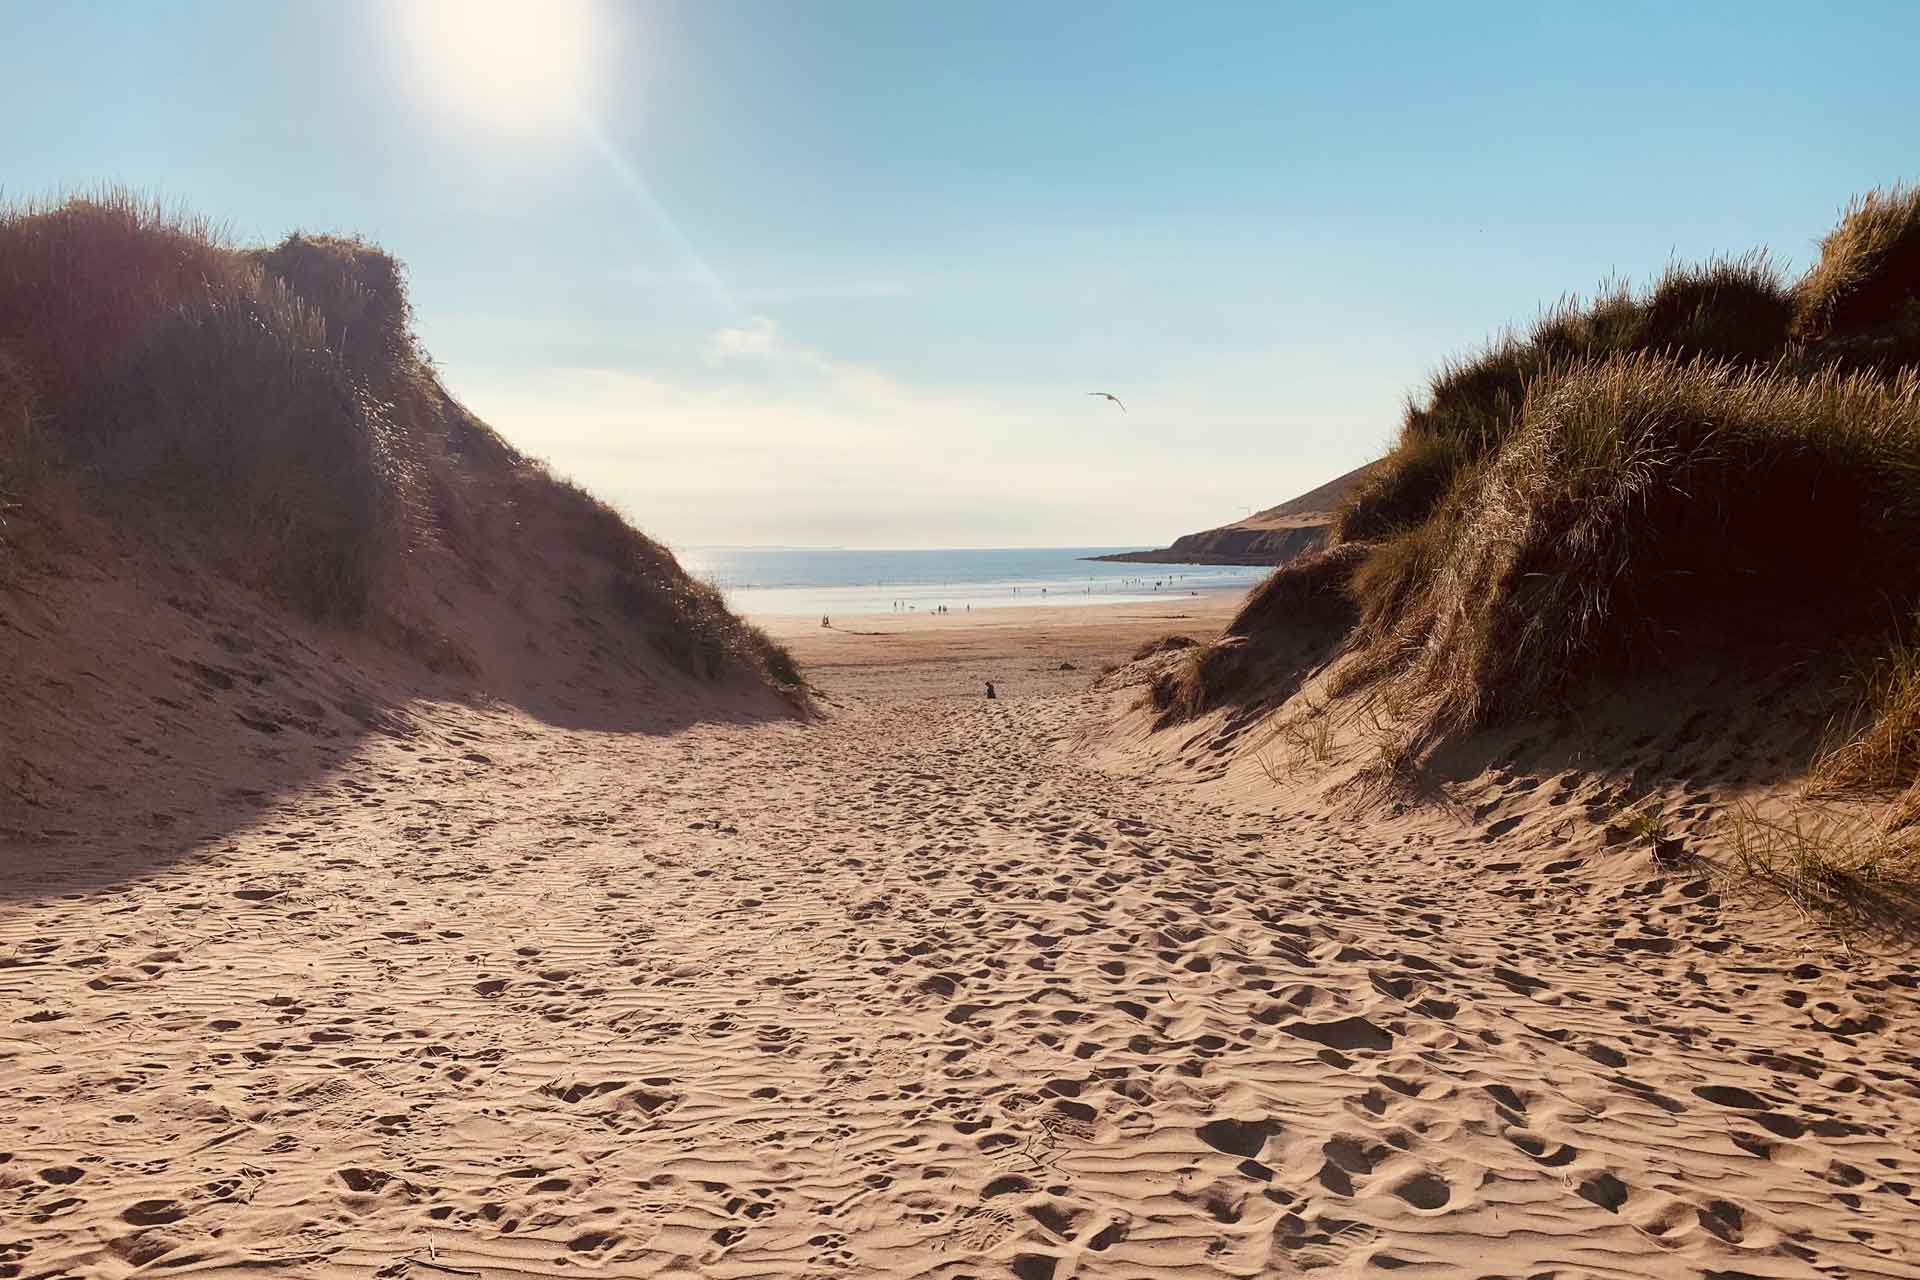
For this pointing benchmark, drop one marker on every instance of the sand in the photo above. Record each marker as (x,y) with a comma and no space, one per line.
(932,986)
(911,656)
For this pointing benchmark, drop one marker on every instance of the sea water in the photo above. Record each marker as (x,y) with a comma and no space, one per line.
(770,581)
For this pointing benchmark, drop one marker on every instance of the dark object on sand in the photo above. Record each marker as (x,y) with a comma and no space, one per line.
(989,688)
(1067,666)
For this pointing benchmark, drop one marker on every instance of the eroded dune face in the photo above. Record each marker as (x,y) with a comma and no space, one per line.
(917,990)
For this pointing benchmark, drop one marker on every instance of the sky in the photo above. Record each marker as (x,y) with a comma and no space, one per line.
(797,272)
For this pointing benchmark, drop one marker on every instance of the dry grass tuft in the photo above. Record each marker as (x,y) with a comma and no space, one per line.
(1404,489)
(1311,590)
(357,288)
(1879,753)
(1735,309)
(1391,573)
(84,282)
(1298,743)
(1864,292)
(1849,867)
(1191,684)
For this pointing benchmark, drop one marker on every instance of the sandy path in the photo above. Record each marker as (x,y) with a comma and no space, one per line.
(917,991)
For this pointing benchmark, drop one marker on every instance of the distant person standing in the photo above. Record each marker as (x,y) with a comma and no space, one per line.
(989,691)
(824,622)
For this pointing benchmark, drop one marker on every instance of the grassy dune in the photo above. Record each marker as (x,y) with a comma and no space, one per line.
(273,401)
(1723,452)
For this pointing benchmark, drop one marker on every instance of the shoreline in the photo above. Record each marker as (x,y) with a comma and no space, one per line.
(1208,600)
(797,585)
(1026,651)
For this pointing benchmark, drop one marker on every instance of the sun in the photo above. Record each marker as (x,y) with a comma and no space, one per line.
(512,68)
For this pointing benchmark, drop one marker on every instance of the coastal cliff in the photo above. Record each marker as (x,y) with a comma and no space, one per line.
(1295,528)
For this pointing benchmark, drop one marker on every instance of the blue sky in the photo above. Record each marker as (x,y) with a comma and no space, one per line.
(841,273)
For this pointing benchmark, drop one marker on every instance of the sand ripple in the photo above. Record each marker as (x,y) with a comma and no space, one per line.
(918,992)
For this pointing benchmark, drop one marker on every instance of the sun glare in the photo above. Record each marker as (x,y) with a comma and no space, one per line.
(507,67)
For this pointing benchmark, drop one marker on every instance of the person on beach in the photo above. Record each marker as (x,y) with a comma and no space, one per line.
(824,622)
(989,691)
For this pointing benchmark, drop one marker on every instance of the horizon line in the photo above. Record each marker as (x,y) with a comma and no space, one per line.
(841,546)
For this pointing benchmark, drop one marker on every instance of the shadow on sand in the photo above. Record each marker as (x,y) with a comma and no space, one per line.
(154,710)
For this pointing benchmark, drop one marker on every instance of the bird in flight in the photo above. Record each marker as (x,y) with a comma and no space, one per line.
(1110,396)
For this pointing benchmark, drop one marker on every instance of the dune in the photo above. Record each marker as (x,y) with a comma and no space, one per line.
(247,530)
(1703,491)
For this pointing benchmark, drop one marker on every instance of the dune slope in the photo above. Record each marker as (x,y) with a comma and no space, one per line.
(1690,492)
(246,528)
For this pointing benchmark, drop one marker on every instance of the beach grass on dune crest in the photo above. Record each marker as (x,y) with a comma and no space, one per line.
(358,287)
(1714,451)
(275,402)
(1635,496)
(1862,298)
(168,364)
(1721,452)
(1729,309)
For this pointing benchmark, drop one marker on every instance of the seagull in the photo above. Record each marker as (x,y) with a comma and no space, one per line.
(1109,395)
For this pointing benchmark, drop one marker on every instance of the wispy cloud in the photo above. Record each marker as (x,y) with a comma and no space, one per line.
(757,337)
(767,439)
(811,377)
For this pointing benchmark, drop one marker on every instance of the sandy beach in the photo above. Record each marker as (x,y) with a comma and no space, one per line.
(1019,649)
(916,989)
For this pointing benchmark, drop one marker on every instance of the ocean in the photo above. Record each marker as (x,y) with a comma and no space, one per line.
(770,581)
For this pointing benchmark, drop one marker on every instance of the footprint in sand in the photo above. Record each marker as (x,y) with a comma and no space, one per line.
(977,1229)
